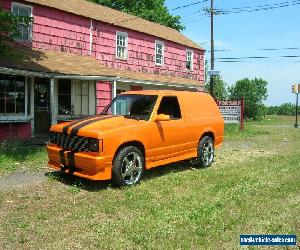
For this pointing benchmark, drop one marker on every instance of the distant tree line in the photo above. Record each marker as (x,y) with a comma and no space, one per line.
(284,109)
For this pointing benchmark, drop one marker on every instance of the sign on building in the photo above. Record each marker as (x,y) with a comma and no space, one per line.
(232,111)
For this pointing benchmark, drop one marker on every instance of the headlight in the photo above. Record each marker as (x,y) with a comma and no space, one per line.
(93,145)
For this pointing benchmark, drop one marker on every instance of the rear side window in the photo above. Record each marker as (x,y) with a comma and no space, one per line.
(169,105)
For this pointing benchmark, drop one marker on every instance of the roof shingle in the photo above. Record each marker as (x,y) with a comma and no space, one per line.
(118,18)
(61,63)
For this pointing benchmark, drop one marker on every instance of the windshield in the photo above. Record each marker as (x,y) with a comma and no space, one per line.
(132,106)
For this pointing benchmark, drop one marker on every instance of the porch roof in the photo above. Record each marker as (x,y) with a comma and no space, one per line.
(61,64)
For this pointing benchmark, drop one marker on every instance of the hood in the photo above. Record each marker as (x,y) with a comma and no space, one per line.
(94,126)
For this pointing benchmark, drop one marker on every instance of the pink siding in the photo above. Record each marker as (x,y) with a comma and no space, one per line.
(61,31)
(141,53)
(58,30)
(15,131)
(104,95)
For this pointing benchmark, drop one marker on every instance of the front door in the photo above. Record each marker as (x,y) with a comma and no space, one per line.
(42,111)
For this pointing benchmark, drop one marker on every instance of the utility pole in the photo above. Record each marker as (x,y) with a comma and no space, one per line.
(296,90)
(296,124)
(212,48)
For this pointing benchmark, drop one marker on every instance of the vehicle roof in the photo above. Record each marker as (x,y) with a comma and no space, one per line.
(161,92)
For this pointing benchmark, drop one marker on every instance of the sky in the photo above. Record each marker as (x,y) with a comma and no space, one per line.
(246,35)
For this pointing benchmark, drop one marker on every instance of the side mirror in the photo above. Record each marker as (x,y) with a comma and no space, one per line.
(162,118)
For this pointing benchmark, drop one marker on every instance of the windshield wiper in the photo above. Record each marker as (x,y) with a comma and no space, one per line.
(132,117)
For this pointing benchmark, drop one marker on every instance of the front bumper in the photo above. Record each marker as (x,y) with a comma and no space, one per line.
(86,165)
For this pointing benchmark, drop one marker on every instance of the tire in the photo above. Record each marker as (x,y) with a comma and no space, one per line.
(128,167)
(205,152)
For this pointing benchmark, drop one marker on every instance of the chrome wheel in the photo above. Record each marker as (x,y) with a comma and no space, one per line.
(132,168)
(208,152)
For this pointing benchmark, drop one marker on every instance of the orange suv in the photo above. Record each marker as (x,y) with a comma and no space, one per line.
(139,130)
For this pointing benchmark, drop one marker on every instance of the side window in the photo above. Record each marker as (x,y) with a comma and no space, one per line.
(25,30)
(169,105)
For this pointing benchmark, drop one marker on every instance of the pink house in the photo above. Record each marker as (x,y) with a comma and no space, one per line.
(79,55)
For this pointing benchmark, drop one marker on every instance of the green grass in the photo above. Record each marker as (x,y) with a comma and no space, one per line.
(16,155)
(252,188)
(233,131)
(276,120)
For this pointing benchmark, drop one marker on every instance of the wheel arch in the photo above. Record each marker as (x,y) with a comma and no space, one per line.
(208,133)
(134,143)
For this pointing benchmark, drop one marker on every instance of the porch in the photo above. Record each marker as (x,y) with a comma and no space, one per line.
(55,87)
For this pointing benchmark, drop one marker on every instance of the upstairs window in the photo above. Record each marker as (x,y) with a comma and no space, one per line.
(122,42)
(159,53)
(24,30)
(189,59)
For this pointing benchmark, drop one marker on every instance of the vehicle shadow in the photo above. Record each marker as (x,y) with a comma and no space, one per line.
(167,169)
(94,186)
(81,183)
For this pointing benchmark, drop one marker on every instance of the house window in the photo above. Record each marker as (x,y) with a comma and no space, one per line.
(81,97)
(24,30)
(64,97)
(159,53)
(12,95)
(76,98)
(122,42)
(189,59)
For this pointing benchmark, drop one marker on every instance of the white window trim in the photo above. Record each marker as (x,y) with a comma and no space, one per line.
(163,53)
(192,59)
(59,117)
(31,15)
(22,116)
(126,44)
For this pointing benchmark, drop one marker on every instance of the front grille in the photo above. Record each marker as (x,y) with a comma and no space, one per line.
(70,142)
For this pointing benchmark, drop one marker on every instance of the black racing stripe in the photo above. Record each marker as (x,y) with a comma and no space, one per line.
(75,130)
(65,129)
(62,157)
(71,161)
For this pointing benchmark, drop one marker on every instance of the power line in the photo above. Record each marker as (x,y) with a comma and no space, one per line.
(263,6)
(237,59)
(257,57)
(193,20)
(188,5)
(257,8)
(272,49)
(262,49)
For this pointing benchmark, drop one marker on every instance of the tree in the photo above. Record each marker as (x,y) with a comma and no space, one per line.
(283,109)
(152,10)
(9,29)
(254,93)
(220,91)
